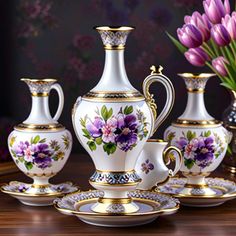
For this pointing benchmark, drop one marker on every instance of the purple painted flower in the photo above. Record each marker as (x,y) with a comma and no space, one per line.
(147,166)
(22,188)
(220,35)
(181,143)
(190,36)
(127,132)
(196,56)
(201,22)
(216,10)
(95,127)
(42,157)
(219,64)
(205,152)
(230,24)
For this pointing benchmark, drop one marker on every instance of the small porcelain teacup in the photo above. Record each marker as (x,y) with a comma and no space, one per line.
(152,163)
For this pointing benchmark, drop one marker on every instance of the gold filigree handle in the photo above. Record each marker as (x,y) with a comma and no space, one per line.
(157,76)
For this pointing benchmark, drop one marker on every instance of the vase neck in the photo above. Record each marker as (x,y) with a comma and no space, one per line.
(40,113)
(114,77)
(195,109)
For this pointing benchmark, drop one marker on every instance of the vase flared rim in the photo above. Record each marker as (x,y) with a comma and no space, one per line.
(46,80)
(196,75)
(114,28)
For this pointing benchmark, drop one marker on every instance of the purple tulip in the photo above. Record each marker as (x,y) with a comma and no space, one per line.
(216,10)
(196,56)
(190,36)
(220,35)
(230,24)
(219,64)
(201,22)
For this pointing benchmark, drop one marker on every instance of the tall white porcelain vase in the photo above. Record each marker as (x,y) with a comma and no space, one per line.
(113,121)
(40,146)
(202,139)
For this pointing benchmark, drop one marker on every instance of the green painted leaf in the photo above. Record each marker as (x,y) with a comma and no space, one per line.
(229,150)
(181,48)
(86,134)
(191,135)
(128,110)
(207,133)
(104,112)
(92,145)
(110,112)
(189,163)
(109,148)
(42,140)
(98,141)
(13,154)
(170,136)
(21,159)
(36,139)
(28,165)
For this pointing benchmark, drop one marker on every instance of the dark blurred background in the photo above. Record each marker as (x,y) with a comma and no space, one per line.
(55,39)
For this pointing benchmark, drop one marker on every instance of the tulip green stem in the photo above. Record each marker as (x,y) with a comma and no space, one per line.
(215,48)
(208,50)
(233,51)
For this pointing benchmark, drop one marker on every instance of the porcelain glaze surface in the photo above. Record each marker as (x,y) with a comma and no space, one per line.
(202,140)
(40,146)
(151,205)
(151,165)
(113,121)
(225,190)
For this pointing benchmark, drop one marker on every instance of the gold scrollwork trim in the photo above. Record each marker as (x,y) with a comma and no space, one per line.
(115,200)
(39,127)
(39,81)
(115,172)
(201,123)
(40,175)
(40,186)
(114,96)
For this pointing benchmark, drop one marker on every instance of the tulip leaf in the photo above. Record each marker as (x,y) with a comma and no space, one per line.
(181,48)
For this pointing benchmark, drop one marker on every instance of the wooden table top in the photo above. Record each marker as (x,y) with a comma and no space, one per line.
(18,219)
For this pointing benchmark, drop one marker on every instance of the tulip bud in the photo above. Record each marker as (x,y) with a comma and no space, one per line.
(230,24)
(196,56)
(219,64)
(190,36)
(216,10)
(220,35)
(201,22)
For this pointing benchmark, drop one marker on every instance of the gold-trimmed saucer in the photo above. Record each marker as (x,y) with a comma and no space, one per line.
(225,190)
(37,195)
(151,205)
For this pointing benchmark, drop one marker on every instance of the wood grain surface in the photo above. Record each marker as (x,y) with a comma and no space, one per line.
(18,219)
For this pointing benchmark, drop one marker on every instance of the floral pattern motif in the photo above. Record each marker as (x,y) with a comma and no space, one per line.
(114,131)
(38,152)
(147,166)
(199,150)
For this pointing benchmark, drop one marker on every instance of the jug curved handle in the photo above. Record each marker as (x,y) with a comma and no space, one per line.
(168,156)
(157,76)
(59,90)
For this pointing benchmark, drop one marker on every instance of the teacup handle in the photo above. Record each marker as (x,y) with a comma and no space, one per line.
(59,90)
(157,76)
(177,158)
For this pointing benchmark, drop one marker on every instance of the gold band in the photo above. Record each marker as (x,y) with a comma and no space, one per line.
(202,123)
(40,186)
(116,47)
(200,186)
(39,127)
(200,90)
(39,94)
(115,200)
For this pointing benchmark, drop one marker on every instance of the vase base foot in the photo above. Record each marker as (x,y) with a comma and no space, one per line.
(115,206)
